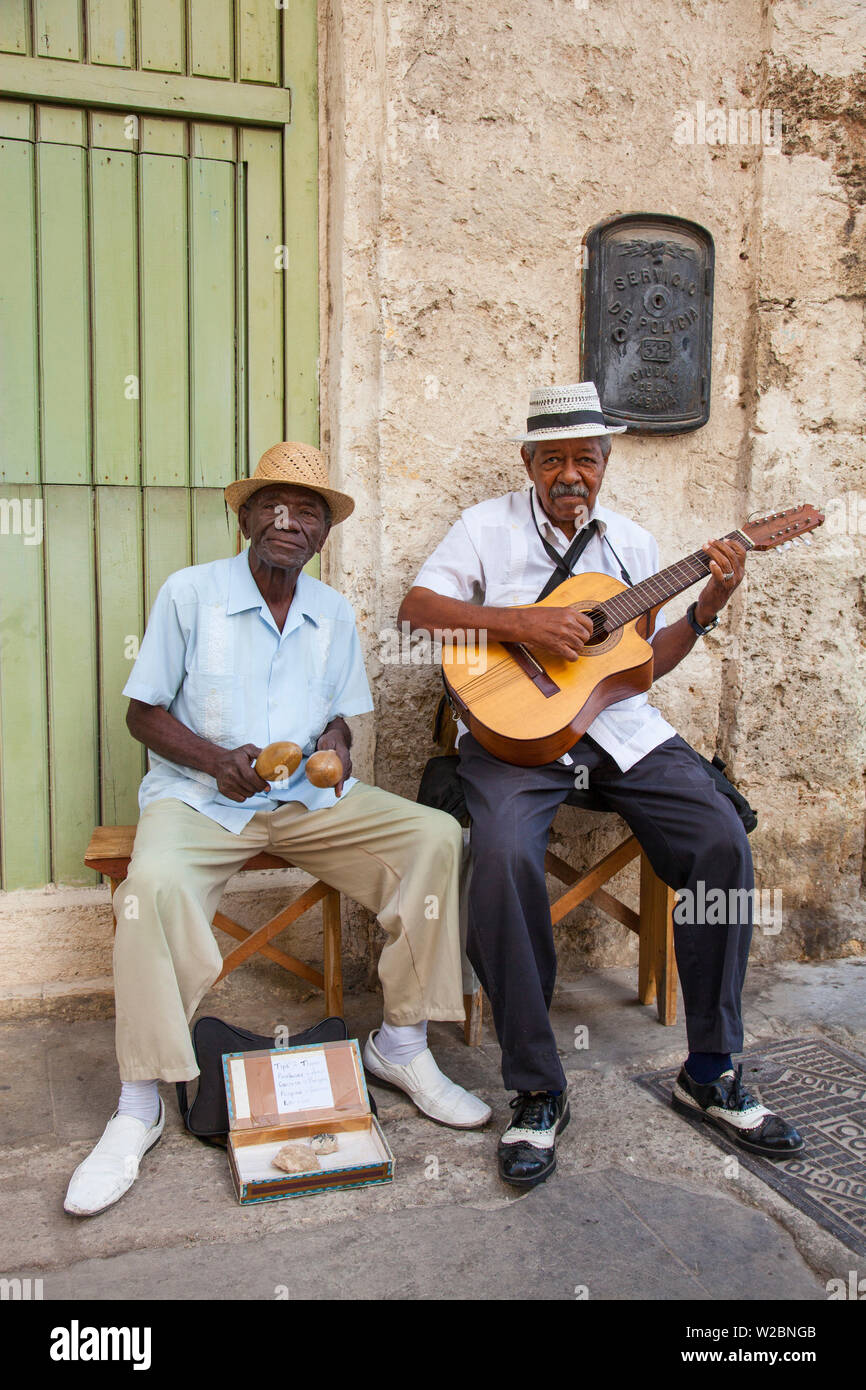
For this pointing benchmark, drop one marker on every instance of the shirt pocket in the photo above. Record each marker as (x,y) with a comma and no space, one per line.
(213,702)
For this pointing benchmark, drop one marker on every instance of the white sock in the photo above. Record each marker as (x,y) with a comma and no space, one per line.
(139,1099)
(401,1045)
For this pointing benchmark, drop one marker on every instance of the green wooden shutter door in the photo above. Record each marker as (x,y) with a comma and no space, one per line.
(144,357)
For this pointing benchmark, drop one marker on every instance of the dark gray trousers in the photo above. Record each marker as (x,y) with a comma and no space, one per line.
(691,835)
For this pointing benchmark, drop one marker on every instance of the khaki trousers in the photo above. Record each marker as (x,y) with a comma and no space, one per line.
(399,859)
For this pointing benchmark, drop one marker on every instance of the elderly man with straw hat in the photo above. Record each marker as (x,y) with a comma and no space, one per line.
(237,654)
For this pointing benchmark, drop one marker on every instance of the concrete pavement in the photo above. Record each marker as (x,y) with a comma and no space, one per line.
(640,1205)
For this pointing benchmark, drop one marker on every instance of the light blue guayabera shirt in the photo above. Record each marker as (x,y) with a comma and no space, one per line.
(213,657)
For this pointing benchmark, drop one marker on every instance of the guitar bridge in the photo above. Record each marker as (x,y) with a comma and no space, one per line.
(532,668)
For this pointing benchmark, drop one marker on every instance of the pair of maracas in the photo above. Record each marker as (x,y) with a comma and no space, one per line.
(280,760)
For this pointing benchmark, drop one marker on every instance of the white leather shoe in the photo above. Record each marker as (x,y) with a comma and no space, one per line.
(432,1092)
(111,1168)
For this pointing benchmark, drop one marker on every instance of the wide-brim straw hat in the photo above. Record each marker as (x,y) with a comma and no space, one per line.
(565,412)
(298,464)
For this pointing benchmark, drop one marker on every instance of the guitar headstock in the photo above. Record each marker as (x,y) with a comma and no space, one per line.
(781,528)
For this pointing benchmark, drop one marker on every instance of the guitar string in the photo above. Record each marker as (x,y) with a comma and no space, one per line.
(507,672)
(619,607)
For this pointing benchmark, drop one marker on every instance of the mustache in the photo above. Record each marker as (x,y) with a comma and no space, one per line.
(568,490)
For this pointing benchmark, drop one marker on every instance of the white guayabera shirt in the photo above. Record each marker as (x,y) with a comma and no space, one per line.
(213,657)
(493,555)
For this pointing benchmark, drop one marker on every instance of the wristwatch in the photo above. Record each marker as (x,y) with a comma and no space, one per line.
(695,625)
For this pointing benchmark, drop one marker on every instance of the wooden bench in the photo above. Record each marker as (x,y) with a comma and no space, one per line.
(110,851)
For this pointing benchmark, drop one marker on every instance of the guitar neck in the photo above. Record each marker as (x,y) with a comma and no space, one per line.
(659,588)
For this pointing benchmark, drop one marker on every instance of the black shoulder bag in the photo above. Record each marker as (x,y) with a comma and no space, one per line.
(207,1117)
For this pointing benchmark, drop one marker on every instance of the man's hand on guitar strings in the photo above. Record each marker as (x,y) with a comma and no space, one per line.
(562,631)
(727,567)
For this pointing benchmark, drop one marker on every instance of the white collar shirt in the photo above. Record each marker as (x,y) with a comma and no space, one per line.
(494,556)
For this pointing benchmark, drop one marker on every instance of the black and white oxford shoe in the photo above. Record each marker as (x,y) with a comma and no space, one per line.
(527,1149)
(727,1104)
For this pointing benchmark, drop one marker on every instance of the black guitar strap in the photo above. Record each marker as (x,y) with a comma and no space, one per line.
(564,563)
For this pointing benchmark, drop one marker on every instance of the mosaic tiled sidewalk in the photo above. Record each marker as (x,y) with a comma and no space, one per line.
(821,1089)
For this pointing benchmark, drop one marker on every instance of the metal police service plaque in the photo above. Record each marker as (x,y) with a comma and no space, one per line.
(647,321)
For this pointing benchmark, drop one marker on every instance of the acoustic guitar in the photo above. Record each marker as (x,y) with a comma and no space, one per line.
(529,706)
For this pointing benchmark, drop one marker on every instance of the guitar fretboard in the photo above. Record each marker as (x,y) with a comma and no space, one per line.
(649,593)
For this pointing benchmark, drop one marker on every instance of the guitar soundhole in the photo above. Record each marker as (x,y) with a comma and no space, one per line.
(603,641)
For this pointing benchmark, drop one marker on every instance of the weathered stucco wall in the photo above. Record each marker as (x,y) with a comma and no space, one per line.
(469,149)
(466,150)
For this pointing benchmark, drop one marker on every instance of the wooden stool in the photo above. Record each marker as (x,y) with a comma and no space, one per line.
(110,851)
(653,923)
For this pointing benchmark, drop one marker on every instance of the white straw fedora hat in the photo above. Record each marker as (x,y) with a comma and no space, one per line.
(299,464)
(565,412)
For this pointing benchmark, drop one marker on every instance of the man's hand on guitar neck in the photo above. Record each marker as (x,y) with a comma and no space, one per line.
(727,567)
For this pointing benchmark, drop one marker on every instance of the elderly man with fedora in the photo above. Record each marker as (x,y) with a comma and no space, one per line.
(237,654)
(513,550)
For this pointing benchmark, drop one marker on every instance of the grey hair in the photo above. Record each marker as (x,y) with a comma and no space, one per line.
(604,443)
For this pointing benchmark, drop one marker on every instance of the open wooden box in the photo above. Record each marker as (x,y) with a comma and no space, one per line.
(292,1093)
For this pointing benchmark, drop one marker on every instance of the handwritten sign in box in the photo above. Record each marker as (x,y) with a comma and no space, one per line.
(301,1082)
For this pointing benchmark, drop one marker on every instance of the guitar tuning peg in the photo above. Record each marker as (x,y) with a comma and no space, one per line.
(807,540)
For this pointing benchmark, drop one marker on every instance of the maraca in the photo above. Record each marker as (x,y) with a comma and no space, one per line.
(325,769)
(278,761)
